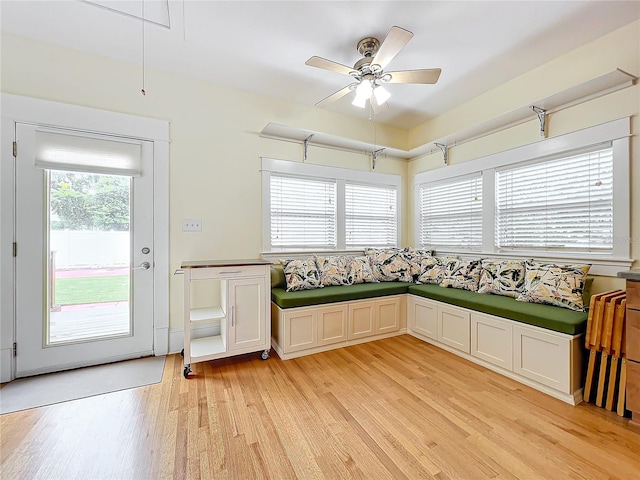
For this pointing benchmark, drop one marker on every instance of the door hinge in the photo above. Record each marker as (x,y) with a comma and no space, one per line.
(15,349)
(15,249)
(15,149)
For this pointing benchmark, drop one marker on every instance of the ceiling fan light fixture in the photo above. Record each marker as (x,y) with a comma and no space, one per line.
(363,93)
(360,102)
(381,94)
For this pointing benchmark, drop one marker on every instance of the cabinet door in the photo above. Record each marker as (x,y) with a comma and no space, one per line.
(633,389)
(387,315)
(361,319)
(422,317)
(543,357)
(454,328)
(632,340)
(246,313)
(300,330)
(492,340)
(332,324)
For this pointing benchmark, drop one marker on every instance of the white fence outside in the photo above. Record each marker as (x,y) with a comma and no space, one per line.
(90,249)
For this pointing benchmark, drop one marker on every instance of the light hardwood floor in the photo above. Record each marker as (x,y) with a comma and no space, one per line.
(396,408)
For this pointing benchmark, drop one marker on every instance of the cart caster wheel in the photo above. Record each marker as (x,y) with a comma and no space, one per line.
(264,355)
(187,371)
(182,353)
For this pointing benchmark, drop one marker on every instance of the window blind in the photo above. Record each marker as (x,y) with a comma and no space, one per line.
(303,213)
(371,217)
(65,151)
(451,214)
(564,204)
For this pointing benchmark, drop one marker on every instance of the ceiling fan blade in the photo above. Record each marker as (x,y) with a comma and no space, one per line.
(396,39)
(335,96)
(427,75)
(330,65)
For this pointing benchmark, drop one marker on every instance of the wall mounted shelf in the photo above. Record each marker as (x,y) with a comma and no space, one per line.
(291,134)
(589,90)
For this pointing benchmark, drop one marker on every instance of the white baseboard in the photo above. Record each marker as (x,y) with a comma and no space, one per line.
(333,346)
(176,337)
(6,365)
(160,341)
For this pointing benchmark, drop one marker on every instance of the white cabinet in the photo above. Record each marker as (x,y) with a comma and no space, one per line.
(422,317)
(374,317)
(305,330)
(247,305)
(361,319)
(454,328)
(543,359)
(242,316)
(491,340)
(444,323)
(300,329)
(332,324)
(538,355)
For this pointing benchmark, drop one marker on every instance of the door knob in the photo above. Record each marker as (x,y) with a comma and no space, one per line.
(143,266)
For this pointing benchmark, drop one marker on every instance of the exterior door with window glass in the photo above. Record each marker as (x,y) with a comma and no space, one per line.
(84,264)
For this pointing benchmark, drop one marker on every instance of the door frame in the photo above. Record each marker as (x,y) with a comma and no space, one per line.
(16,108)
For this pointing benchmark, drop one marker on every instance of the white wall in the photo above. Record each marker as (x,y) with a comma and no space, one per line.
(619,49)
(215,148)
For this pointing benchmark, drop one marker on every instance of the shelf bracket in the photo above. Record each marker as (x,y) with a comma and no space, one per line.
(444,149)
(374,156)
(542,116)
(305,146)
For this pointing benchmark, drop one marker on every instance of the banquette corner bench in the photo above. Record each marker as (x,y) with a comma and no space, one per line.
(535,344)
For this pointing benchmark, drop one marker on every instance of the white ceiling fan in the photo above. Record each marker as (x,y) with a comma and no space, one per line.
(369,73)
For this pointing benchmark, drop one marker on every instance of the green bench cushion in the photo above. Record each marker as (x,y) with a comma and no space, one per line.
(304,298)
(546,316)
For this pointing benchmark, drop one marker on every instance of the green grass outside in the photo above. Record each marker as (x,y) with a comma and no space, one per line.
(73,291)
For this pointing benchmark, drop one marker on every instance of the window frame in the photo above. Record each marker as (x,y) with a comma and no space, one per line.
(341,176)
(616,132)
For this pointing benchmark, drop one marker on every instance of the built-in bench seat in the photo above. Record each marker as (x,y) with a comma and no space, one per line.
(539,345)
(544,316)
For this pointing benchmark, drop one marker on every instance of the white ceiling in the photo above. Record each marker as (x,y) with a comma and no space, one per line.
(261,46)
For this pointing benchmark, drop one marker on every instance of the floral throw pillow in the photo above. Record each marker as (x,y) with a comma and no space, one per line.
(414,257)
(301,274)
(334,270)
(502,277)
(463,274)
(389,265)
(559,285)
(361,271)
(432,269)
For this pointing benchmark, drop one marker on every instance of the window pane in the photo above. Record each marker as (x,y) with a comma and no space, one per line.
(88,287)
(564,204)
(303,213)
(370,216)
(451,214)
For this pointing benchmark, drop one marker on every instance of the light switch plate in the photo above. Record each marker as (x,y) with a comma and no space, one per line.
(191,225)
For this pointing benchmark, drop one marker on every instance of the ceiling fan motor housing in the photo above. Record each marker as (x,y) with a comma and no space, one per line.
(367,47)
